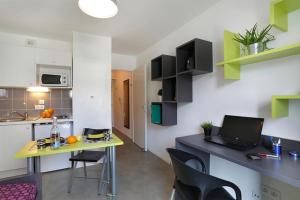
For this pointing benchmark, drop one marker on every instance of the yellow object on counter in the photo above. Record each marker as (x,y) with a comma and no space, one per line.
(96,136)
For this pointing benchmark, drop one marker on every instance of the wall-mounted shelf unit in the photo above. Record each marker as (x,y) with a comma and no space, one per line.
(169,89)
(184,88)
(194,57)
(163,66)
(279,11)
(163,113)
(156,69)
(233,61)
(280,105)
(177,78)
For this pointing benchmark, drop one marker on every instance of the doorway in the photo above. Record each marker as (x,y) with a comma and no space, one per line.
(122,102)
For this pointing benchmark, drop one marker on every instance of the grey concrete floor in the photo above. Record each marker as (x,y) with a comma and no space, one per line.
(141,176)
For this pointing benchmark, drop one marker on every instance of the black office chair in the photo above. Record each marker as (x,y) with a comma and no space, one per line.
(194,184)
(91,157)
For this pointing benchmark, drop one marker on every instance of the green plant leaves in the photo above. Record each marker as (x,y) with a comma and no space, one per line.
(254,36)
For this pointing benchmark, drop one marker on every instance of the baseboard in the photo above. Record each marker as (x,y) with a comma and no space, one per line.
(12,173)
(122,132)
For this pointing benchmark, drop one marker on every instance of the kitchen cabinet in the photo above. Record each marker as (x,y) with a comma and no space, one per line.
(13,138)
(17,66)
(54,57)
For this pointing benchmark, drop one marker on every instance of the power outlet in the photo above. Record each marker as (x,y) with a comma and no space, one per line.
(39,107)
(269,193)
(41,101)
(256,195)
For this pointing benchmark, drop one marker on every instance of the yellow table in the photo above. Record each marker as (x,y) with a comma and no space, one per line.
(32,153)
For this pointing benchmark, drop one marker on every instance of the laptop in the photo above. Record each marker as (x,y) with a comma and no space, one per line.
(241,133)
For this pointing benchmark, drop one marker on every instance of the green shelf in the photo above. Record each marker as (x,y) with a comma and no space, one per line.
(279,11)
(280,105)
(233,61)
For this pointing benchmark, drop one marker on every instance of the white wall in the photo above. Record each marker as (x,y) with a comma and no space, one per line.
(119,61)
(123,62)
(213,97)
(119,76)
(43,43)
(92,82)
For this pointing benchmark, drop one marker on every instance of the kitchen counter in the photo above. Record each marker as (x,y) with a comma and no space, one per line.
(35,121)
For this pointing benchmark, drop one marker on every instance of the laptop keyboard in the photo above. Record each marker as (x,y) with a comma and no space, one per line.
(231,143)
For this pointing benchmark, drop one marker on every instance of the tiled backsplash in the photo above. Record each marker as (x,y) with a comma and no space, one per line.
(18,99)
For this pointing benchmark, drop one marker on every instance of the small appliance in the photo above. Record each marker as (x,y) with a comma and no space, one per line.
(53,76)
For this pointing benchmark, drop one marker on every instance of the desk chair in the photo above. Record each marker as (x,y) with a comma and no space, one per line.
(91,157)
(194,184)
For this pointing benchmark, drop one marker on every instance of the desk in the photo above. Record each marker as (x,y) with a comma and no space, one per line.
(285,170)
(33,154)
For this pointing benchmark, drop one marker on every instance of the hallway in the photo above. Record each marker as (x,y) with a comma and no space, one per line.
(141,176)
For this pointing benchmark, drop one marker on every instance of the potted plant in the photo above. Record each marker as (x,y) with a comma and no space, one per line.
(254,42)
(159,93)
(207,127)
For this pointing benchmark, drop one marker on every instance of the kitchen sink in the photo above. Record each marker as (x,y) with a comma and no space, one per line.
(12,119)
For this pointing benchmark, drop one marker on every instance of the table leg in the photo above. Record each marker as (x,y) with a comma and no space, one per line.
(108,165)
(113,173)
(30,165)
(37,163)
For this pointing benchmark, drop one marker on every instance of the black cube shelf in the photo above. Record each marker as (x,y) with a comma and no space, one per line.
(163,66)
(176,73)
(184,88)
(169,89)
(194,57)
(168,113)
(156,69)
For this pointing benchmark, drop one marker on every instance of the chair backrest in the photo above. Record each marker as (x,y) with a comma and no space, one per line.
(88,131)
(189,159)
(196,178)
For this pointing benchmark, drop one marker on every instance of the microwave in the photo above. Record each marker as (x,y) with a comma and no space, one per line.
(52,76)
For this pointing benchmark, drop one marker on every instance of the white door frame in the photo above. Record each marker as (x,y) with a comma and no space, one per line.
(145,111)
(131,106)
(146,108)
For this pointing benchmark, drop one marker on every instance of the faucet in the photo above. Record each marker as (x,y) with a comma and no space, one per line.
(25,115)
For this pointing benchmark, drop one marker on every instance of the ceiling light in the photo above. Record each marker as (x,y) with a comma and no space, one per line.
(38,89)
(99,8)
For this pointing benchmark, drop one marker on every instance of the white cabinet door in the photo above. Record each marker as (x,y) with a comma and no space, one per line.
(13,138)
(54,57)
(17,66)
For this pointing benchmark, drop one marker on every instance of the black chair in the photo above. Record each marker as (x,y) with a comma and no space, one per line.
(35,179)
(91,157)
(194,184)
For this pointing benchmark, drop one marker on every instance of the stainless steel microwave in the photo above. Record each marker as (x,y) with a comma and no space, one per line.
(51,76)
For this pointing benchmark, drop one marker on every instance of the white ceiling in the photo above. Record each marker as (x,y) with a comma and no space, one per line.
(138,25)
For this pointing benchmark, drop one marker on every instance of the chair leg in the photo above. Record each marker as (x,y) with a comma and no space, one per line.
(107,166)
(172,194)
(102,181)
(74,164)
(84,167)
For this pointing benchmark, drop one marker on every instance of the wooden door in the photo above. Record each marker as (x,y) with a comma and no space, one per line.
(126,101)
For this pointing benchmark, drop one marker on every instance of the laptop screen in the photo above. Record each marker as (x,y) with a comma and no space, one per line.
(246,129)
